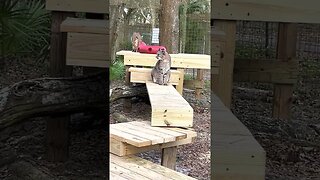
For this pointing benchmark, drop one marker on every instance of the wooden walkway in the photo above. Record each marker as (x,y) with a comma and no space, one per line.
(236,153)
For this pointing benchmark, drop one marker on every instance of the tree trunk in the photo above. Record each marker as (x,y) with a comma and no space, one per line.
(52,96)
(169,25)
(115,12)
(183,26)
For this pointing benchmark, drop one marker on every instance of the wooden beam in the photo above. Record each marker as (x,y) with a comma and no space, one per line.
(196,61)
(79,25)
(88,49)
(93,6)
(295,11)
(266,71)
(286,52)
(143,75)
(223,82)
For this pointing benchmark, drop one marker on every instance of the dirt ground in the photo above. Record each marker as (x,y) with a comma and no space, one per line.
(293,150)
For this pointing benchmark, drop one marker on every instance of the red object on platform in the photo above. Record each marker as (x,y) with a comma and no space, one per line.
(143,48)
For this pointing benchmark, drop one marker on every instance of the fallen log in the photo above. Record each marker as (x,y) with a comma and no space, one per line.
(52,96)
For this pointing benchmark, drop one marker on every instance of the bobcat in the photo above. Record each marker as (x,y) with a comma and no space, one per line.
(136,39)
(160,73)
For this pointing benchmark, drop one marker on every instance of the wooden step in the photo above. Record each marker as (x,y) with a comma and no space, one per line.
(168,107)
(143,75)
(133,167)
(127,138)
(87,42)
(236,153)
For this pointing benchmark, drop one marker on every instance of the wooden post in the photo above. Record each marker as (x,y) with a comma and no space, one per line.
(57,127)
(127,105)
(286,51)
(169,157)
(179,87)
(223,82)
(199,78)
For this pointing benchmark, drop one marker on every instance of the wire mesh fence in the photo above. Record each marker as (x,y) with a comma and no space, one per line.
(258,40)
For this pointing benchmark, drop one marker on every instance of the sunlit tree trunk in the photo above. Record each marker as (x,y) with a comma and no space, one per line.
(169,25)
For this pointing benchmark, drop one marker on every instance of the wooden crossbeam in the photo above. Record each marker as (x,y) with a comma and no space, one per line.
(79,25)
(268,71)
(267,10)
(169,108)
(143,75)
(196,61)
(93,6)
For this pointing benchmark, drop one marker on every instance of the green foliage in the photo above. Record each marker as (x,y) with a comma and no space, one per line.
(188,77)
(25,28)
(198,6)
(117,70)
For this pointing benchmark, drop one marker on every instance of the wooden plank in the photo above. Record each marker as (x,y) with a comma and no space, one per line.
(87,46)
(125,173)
(267,71)
(88,50)
(79,25)
(267,10)
(286,51)
(169,108)
(147,168)
(143,75)
(238,172)
(93,6)
(147,125)
(196,61)
(123,149)
(223,82)
(132,139)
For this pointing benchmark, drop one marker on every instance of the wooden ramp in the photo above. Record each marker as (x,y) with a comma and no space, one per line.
(169,108)
(132,167)
(236,154)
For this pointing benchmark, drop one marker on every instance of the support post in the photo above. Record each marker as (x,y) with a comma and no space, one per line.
(179,87)
(223,81)
(57,127)
(169,157)
(286,51)
(199,78)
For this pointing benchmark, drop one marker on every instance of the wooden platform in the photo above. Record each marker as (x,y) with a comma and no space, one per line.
(169,108)
(132,167)
(135,137)
(236,154)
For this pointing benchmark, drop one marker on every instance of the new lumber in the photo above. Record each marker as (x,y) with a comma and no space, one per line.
(132,167)
(168,107)
(295,11)
(93,6)
(143,75)
(235,152)
(87,42)
(196,61)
